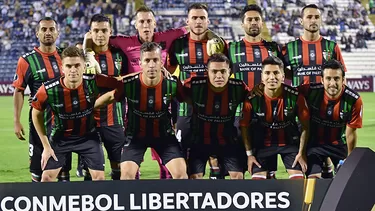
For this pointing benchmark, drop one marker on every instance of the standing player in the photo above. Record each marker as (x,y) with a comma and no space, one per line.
(336,113)
(71,98)
(109,120)
(189,52)
(33,69)
(214,100)
(149,95)
(276,129)
(246,55)
(306,55)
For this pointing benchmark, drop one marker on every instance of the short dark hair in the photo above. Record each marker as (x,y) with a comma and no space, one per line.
(314,6)
(47,19)
(333,64)
(198,6)
(100,18)
(251,7)
(273,60)
(72,51)
(149,46)
(218,57)
(144,8)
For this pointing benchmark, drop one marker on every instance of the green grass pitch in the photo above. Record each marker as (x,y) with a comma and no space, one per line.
(14,153)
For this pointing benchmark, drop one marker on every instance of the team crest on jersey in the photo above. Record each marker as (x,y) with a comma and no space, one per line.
(199,54)
(327,55)
(118,63)
(217,106)
(75,101)
(312,55)
(257,53)
(150,101)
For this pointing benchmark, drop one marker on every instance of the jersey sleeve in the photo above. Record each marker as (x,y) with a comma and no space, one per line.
(120,41)
(124,64)
(339,56)
(246,114)
(106,81)
(172,59)
(357,113)
(23,74)
(180,92)
(304,89)
(187,87)
(39,101)
(303,110)
(173,34)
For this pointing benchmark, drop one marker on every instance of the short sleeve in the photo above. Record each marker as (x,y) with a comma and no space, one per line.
(246,114)
(357,113)
(180,92)
(303,110)
(120,41)
(304,89)
(39,101)
(22,75)
(339,56)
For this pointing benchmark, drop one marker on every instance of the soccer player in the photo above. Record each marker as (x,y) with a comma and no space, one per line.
(149,95)
(214,100)
(189,52)
(113,63)
(246,55)
(34,68)
(71,98)
(306,55)
(275,130)
(336,113)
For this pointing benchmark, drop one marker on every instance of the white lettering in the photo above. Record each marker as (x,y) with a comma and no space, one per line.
(144,200)
(195,198)
(87,203)
(283,197)
(132,203)
(256,199)
(4,201)
(154,201)
(115,203)
(73,201)
(220,204)
(54,206)
(182,199)
(167,201)
(208,201)
(19,200)
(270,198)
(37,205)
(108,202)
(246,200)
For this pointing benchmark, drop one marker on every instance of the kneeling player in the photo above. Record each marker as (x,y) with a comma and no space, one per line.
(214,100)
(149,95)
(274,126)
(336,113)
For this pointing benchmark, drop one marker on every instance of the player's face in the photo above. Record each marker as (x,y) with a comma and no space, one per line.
(333,81)
(218,74)
(272,77)
(47,33)
(198,21)
(73,68)
(145,25)
(252,23)
(311,20)
(151,63)
(100,33)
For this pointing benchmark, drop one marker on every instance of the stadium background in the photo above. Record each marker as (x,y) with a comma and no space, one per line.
(342,19)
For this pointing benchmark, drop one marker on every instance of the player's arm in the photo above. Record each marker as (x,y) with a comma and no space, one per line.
(105,99)
(39,105)
(244,126)
(20,83)
(355,122)
(87,42)
(304,118)
(338,56)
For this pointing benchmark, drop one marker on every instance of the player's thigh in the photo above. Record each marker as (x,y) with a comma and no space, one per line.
(336,152)
(288,155)
(267,158)
(168,149)
(198,156)
(113,139)
(61,151)
(35,151)
(91,151)
(232,157)
(134,150)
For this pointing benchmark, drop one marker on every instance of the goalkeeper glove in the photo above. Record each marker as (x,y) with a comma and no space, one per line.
(92,66)
(215,44)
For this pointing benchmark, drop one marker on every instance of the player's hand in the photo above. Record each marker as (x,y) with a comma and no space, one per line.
(215,44)
(92,66)
(47,153)
(257,90)
(166,73)
(19,131)
(301,159)
(88,35)
(251,160)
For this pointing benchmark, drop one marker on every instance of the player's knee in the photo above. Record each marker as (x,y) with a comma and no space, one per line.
(47,177)
(36,177)
(236,175)
(97,175)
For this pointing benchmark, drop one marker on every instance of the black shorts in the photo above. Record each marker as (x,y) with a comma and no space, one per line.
(167,148)
(316,156)
(88,147)
(231,156)
(36,150)
(113,138)
(267,158)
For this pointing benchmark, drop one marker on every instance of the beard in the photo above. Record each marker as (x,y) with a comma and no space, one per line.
(198,33)
(252,33)
(310,29)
